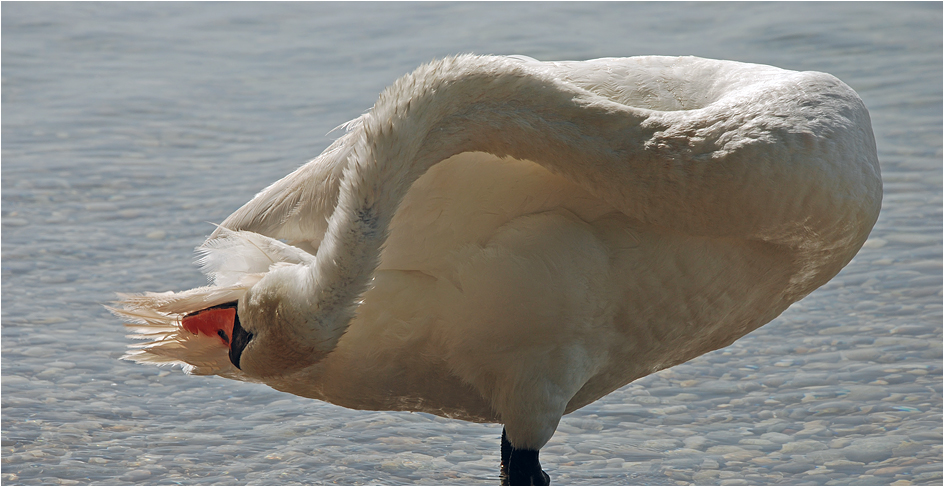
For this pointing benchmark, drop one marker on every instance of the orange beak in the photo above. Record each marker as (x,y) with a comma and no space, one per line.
(211,322)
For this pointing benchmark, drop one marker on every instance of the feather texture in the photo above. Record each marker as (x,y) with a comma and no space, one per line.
(500,239)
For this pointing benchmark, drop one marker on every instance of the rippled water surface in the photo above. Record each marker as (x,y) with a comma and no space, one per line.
(127,127)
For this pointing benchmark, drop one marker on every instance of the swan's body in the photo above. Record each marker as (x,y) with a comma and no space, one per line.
(503,240)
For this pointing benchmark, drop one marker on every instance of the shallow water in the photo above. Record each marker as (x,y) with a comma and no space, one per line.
(127,127)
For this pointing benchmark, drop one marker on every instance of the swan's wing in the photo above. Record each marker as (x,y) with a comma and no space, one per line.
(231,255)
(296,208)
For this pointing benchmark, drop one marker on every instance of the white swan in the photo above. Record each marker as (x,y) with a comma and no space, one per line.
(504,240)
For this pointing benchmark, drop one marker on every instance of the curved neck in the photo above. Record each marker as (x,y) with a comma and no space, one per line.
(730,174)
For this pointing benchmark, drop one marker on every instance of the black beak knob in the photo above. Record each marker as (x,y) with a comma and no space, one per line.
(239,341)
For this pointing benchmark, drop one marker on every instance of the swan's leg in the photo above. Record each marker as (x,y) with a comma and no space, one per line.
(505,456)
(520,467)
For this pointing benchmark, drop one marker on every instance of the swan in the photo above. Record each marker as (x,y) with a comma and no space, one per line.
(505,240)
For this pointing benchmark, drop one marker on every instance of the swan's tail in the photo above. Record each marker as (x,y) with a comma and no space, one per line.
(234,262)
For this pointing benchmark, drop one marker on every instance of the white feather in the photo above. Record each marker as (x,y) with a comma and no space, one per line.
(230,255)
(507,240)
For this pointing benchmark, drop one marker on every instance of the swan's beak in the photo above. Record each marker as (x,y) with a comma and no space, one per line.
(212,322)
(223,323)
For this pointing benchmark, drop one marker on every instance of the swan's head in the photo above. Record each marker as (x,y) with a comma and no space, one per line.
(271,334)
(249,334)
(237,327)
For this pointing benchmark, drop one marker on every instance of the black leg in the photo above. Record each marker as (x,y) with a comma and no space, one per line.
(520,467)
(505,456)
